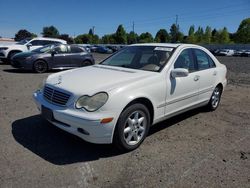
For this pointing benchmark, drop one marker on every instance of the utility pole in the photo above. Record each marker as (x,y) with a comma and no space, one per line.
(93,29)
(133,27)
(176,20)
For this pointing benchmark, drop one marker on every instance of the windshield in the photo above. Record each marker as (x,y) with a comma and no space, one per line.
(150,58)
(44,49)
(24,41)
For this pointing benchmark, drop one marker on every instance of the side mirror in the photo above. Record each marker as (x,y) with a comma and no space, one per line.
(53,52)
(179,72)
(29,45)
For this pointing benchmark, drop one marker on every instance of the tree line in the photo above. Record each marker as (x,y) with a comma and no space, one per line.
(195,36)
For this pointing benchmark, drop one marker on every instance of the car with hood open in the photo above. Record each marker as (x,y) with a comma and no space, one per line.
(119,99)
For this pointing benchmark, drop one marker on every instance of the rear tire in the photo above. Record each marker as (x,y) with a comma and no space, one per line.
(40,66)
(132,127)
(215,99)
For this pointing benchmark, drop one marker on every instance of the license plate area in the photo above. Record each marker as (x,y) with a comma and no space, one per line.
(47,113)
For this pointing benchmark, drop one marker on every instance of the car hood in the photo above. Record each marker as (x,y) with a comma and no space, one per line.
(92,79)
(24,54)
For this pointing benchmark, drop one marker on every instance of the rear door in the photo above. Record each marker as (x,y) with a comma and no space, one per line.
(207,74)
(76,56)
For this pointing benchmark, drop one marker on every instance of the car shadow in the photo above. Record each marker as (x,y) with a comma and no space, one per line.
(174,120)
(55,145)
(60,148)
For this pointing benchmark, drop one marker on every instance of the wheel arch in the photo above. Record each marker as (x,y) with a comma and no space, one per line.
(145,101)
(17,51)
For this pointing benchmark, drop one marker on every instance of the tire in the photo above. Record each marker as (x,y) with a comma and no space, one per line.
(215,99)
(86,63)
(40,66)
(132,127)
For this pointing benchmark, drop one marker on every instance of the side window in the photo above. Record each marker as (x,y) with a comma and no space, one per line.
(36,43)
(185,60)
(75,49)
(202,59)
(62,49)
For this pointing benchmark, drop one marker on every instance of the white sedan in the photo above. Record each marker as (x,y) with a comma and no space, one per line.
(119,99)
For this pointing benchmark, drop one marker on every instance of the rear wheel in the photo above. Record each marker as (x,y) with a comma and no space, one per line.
(132,127)
(40,66)
(215,98)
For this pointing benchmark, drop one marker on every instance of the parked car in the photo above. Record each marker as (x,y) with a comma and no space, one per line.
(8,51)
(119,99)
(225,52)
(246,53)
(60,56)
(104,50)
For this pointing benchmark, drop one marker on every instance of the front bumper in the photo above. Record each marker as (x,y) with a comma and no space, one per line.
(21,64)
(82,124)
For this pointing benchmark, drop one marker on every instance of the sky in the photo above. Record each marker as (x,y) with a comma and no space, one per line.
(78,16)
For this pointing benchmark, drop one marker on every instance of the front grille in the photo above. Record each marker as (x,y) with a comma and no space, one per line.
(56,97)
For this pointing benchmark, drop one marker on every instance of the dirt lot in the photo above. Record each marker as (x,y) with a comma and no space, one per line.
(195,149)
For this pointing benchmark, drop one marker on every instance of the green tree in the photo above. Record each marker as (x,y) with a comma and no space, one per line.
(23,34)
(50,31)
(224,36)
(91,32)
(108,39)
(191,36)
(243,32)
(162,36)
(207,35)
(145,38)
(175,34)
(87,39)
(132,37)
(214,36)
(199,35)
(120,35)
(67,38)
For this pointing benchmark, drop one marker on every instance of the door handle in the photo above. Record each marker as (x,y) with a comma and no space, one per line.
(196,78)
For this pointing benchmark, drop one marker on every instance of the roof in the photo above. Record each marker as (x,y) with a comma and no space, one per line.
(173,45)
(47,38)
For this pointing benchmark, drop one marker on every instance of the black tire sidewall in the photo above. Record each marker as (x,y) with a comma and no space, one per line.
(86,63)
(40,61)
(118,136)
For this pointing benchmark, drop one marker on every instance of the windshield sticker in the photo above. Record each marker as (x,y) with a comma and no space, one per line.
(163,49)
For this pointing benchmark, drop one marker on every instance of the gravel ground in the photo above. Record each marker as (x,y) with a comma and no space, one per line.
(195,149)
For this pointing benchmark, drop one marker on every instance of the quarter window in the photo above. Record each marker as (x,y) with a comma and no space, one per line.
(75,49)
(36,43)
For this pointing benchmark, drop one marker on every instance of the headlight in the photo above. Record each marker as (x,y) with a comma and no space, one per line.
(92,103)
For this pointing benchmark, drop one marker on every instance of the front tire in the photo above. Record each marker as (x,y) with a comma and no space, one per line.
(40,66)
(132,127)
(86,63)
(215,99)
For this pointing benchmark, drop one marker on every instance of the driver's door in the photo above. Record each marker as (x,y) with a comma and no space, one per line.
(182,92)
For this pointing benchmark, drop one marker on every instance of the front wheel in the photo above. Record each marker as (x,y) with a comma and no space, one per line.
(40,66)
(215,99)
(132,127)
(86,63)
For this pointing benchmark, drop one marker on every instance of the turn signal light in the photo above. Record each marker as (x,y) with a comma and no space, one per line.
(106,120)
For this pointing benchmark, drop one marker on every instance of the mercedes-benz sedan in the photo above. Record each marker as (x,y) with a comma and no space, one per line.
(119,99)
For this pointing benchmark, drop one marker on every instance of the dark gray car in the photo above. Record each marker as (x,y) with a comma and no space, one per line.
(61,56)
